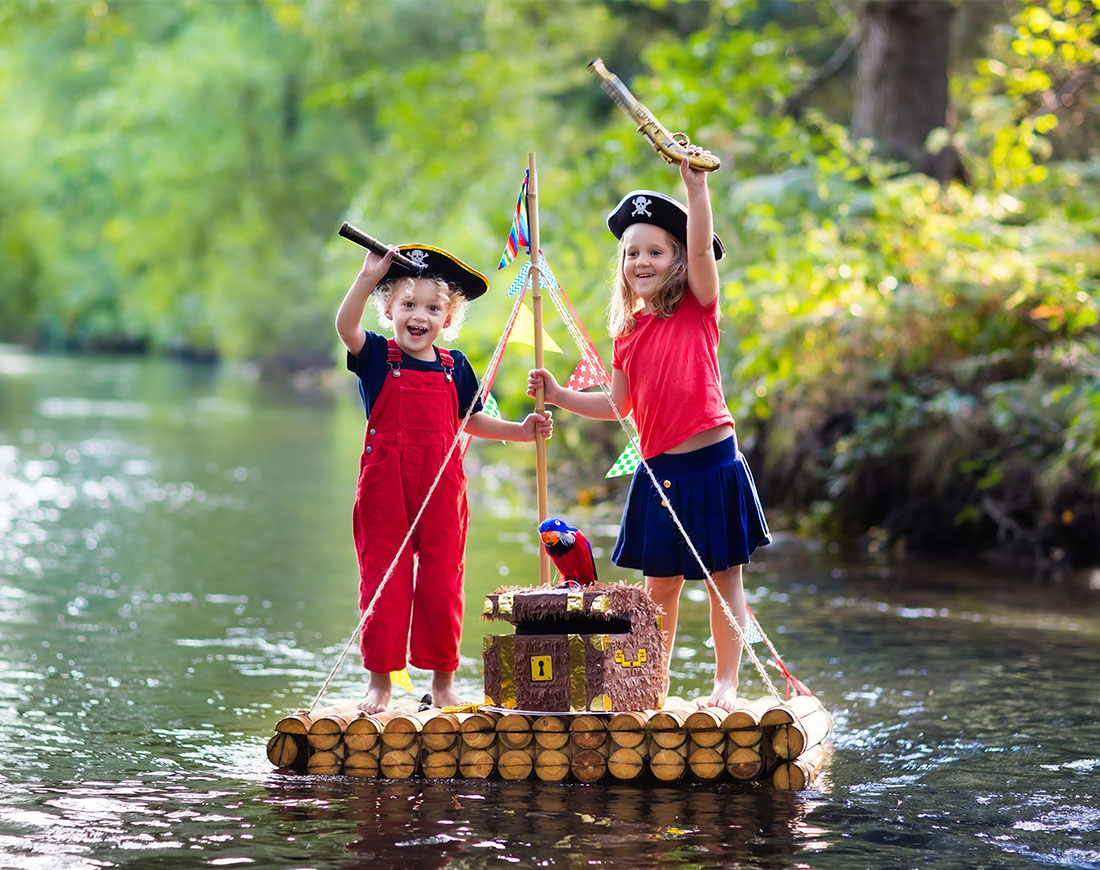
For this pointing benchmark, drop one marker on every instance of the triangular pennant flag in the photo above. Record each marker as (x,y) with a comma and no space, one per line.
(519,235)
(626,463)
(520,281)
(402,680)
(491,407)
(547,273)
(523,332)
(751,630)
(589,372)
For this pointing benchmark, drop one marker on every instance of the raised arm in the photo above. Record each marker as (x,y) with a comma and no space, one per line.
(587,403)
(702,268)
(350,313)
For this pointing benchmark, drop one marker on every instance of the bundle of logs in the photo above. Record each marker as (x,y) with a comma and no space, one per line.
(781,743)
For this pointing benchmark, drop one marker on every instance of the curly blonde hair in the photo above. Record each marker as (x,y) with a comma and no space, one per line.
(624,301)
(456,301)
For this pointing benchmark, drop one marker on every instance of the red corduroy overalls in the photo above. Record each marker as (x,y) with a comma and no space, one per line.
(411,427)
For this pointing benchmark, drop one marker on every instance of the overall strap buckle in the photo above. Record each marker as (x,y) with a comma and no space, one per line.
(393,357)
(448,363)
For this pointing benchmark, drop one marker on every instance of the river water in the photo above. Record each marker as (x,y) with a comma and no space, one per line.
(176,573)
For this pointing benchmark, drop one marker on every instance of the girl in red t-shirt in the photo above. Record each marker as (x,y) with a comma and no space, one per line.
(664,320)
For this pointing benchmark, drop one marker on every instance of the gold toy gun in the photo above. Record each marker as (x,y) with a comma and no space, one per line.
(354,234)
(671,146)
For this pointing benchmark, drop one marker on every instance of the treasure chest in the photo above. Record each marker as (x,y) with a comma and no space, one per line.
(596,647)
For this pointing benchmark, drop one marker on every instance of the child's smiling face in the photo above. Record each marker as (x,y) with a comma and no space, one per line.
(419,313)
(648,253)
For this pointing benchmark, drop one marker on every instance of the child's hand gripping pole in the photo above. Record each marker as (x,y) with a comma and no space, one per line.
(354,234)
(671,146)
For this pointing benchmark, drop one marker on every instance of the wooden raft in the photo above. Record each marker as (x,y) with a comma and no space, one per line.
(781,744)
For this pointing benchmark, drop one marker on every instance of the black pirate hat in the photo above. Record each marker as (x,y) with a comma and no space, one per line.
(437,263)
(650,207)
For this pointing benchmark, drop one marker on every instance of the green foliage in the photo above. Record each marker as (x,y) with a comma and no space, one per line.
(897,353)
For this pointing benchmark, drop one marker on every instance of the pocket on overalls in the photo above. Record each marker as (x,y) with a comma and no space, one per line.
(418,409)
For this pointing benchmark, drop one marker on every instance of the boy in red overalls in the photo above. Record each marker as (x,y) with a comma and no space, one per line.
(415,396)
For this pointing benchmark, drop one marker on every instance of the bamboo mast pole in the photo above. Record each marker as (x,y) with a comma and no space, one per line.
(536,305)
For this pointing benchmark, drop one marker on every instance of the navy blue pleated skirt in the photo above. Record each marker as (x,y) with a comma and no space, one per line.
(713,494)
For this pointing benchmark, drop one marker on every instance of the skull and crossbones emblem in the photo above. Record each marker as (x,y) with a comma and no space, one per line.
(641,206)
(419,258)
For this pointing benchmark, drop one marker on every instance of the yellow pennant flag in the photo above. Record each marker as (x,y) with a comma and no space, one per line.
(402,680)
(523,331)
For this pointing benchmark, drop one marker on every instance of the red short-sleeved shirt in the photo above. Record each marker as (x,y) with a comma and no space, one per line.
(672,367)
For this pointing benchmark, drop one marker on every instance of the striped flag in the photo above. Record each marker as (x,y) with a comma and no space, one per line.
(520,281)
(519,236)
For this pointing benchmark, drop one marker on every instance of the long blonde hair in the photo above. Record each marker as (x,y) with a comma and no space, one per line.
(385,293)
(624,301)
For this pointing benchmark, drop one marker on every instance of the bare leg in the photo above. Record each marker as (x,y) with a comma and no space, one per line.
(379,691)
(443,689)
(665,591)
(727,640)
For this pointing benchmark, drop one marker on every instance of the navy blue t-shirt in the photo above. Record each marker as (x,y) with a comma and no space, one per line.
(372,367)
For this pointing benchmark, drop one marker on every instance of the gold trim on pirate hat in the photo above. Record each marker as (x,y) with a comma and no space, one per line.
(651,207)
(436,263)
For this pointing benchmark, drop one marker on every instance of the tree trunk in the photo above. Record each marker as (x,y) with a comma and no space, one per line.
(902,66)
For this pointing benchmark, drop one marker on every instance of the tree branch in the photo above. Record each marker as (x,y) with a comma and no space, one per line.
(823,73)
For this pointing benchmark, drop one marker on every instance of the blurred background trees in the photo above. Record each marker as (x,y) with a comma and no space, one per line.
(910,201)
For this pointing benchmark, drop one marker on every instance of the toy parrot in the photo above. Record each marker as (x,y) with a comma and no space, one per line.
(569,550)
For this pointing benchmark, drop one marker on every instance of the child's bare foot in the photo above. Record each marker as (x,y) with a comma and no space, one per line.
(379,692)
(443,690)
(723,696)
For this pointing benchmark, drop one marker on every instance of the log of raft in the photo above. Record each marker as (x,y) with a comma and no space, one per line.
(588,765)
(798,773)
(707,763)
(704,727)
(627,730)
(363,733)
(478,731)
(477,764)
(745,763)
(515,764)
(440,733)
(287,751)
(588,732)
(362,764)
(399,763)
(440,765)
(550,732)
(514,731)
(790,740)
(551,765)
(626,763)
(327,731)
(403,731)
(762,740)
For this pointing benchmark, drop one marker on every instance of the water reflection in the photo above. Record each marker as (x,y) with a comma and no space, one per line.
(531,824)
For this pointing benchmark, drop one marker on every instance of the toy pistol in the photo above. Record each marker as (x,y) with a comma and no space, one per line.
(671,146)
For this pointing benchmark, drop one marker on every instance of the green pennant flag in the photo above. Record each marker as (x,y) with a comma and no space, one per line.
(626,463)
(491,407)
